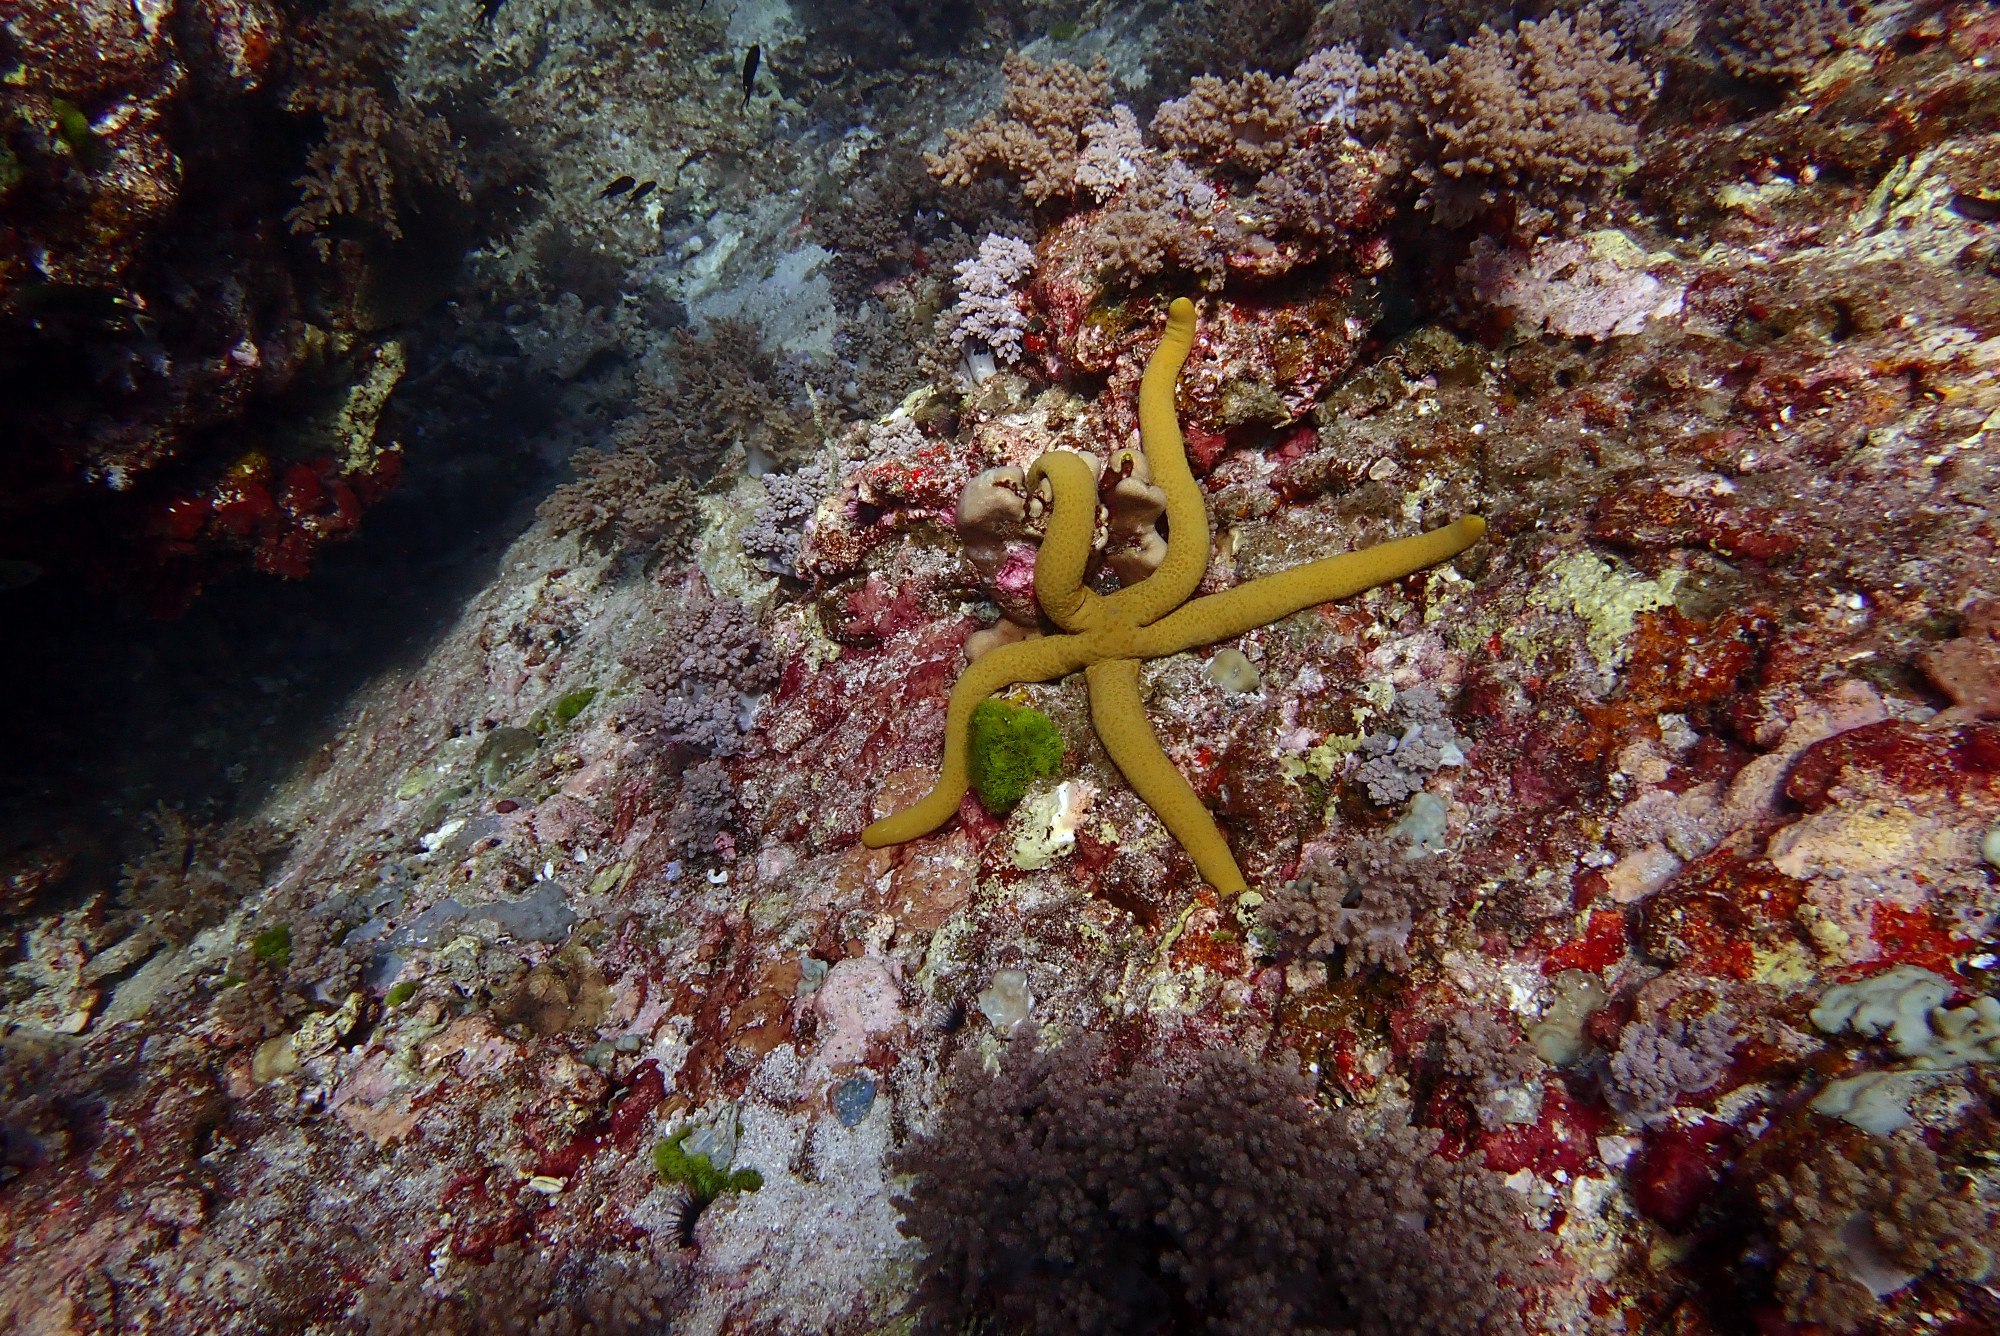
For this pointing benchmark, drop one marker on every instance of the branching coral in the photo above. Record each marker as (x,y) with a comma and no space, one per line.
(1402,760)
(704,810)
(525,1292)
(375,142)
(621,499)
(988,307)
(1248,126)
(1547,108)
(1660,1060)
(777,530)
(713,661)
(1056,1198)
(1858,1227)
(1776,39)
(1168,218)
(1504,1071)
(1368,903)
(192,878)
(724,391)
(1038,136)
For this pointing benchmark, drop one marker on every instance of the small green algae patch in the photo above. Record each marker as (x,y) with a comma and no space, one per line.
(703,1180)
(273,945)
(1062,32)
(574,704)
(402,993)
(1011,747)
(73,128)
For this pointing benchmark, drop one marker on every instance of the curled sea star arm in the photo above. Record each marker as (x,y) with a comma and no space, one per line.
(1263,601)
(1120,719)
(1025,661)
(1180,572)
(1065,550)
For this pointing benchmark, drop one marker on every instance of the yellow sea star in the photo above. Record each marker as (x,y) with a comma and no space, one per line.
(1108,634)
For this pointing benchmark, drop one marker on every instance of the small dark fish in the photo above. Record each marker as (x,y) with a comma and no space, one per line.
(1976,207)
(107,308)
(487,9)
(645,188)
(616,188)
(750,60)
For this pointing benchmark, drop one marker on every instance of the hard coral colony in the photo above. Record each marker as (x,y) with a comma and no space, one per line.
(1452,542)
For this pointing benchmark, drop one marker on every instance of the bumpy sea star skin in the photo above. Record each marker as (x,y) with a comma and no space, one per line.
(1109,634)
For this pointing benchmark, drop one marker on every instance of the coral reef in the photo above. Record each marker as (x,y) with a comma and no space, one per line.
(154,317)
(1591,922)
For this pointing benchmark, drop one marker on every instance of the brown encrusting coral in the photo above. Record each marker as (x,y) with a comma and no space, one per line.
(1038,136)
(1859,1226)
(1058,1197)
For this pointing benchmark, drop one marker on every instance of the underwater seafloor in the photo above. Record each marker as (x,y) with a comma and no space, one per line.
(500,493)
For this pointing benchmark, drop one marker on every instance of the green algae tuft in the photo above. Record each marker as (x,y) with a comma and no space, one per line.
(1011,747)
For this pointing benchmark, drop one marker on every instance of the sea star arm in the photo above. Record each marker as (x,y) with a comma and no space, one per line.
(1180,572)
(1120,719)
(1023,661)
(1065,550)
(1263,601)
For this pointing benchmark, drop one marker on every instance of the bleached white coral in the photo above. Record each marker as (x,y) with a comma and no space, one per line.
(1906,1004)
(1598,286)
(1112,154)
(987,307)
(1328,86)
